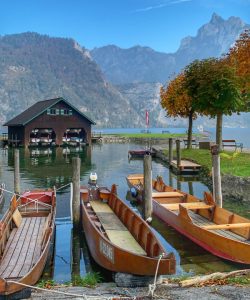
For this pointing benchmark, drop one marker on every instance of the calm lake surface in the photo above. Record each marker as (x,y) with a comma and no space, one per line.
(44,168)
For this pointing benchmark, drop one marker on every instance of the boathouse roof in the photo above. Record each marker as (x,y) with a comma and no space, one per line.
(37,109)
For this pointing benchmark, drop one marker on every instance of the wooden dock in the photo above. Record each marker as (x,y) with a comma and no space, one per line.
(185,167)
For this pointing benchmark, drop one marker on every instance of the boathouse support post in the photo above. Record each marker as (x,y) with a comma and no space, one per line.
(217,192)
(76,164)
(147,201)
(178,153)
(16,172)
(170,150)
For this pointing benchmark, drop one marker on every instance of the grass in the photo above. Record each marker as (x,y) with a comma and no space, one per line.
(149,135)
(236,166)
(239,280)
(46,284)
(89,280)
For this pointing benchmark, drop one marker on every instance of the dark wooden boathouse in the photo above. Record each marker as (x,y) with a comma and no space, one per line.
(49,122)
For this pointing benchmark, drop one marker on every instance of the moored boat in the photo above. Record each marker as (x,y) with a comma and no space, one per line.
(141,152)
(119,239)
(26,237)
(219,231)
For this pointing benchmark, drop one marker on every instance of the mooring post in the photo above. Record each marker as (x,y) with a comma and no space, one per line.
(216,175)
(76,163)
(170,150)
(178,153)
(170,175)
(76,253)
(147,203)
(16,172)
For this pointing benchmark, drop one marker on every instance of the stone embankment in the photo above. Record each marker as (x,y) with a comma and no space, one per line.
(162,292)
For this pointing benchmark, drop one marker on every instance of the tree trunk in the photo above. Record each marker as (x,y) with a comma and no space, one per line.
(219,131)
(190,130)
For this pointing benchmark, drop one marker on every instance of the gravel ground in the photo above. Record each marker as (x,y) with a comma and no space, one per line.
(171,292)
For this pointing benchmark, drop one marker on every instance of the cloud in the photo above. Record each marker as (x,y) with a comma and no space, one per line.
(168,3)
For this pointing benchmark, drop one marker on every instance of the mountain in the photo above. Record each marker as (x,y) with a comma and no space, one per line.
(36,67)
(143,64)
(113,86)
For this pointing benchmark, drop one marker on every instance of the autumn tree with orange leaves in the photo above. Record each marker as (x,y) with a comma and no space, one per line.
(177,103)
(239,58)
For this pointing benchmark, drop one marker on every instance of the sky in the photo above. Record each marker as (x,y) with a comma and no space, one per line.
(159,24)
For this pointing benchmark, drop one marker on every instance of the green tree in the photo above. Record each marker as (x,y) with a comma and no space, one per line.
(215,90)
(177,103)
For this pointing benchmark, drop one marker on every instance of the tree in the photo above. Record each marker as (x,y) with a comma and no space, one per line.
(177,103)
(215,90)
(239,58)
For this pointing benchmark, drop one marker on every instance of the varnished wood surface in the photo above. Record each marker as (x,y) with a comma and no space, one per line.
(115,229)
(166,194)
(22,247)
(191,205)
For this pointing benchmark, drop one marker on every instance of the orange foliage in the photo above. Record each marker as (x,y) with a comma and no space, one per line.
(175,99)
(239,57)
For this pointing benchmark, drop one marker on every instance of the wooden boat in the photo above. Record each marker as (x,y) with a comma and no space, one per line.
(141,153)
(26,234)
(119,239)
(217,230)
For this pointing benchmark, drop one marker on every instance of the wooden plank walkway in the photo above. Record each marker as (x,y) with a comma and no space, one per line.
(23,248)
(186,166)
(115,229)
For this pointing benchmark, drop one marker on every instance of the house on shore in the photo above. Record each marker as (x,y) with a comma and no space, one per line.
(50,122)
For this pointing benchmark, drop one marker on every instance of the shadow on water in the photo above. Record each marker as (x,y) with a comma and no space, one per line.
(44,168)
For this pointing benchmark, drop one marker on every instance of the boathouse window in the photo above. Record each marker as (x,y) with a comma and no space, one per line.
(67,112)
(52,111)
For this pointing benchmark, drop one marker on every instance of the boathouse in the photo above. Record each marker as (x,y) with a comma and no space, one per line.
(50,122)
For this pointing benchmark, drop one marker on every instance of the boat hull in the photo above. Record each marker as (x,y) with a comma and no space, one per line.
(12,285)
(234,249)
(218,245)
(116,259)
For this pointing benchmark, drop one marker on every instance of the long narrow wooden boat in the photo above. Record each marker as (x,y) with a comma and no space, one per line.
(217,230)
(141,153)
(26,235)
(119,239)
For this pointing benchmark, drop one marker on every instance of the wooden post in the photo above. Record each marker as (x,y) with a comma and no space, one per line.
(178,153)
(170,175)
(178,184)
(16,172)
(216,175)
(75,255)
(190,187)
(147,203)
(170,150)
(76,163)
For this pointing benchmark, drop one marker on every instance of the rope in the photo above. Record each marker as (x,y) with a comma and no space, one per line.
(59,292)
(152,287)
(83,296)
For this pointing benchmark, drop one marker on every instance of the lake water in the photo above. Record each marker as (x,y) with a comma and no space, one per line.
(43,169)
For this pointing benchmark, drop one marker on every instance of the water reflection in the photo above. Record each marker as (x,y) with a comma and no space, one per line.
(43,168)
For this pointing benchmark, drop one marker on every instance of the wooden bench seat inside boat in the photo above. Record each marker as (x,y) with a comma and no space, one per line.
(188,205)
(115,229)
(23,248)
(166,194)
(226,226)
(202,221)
